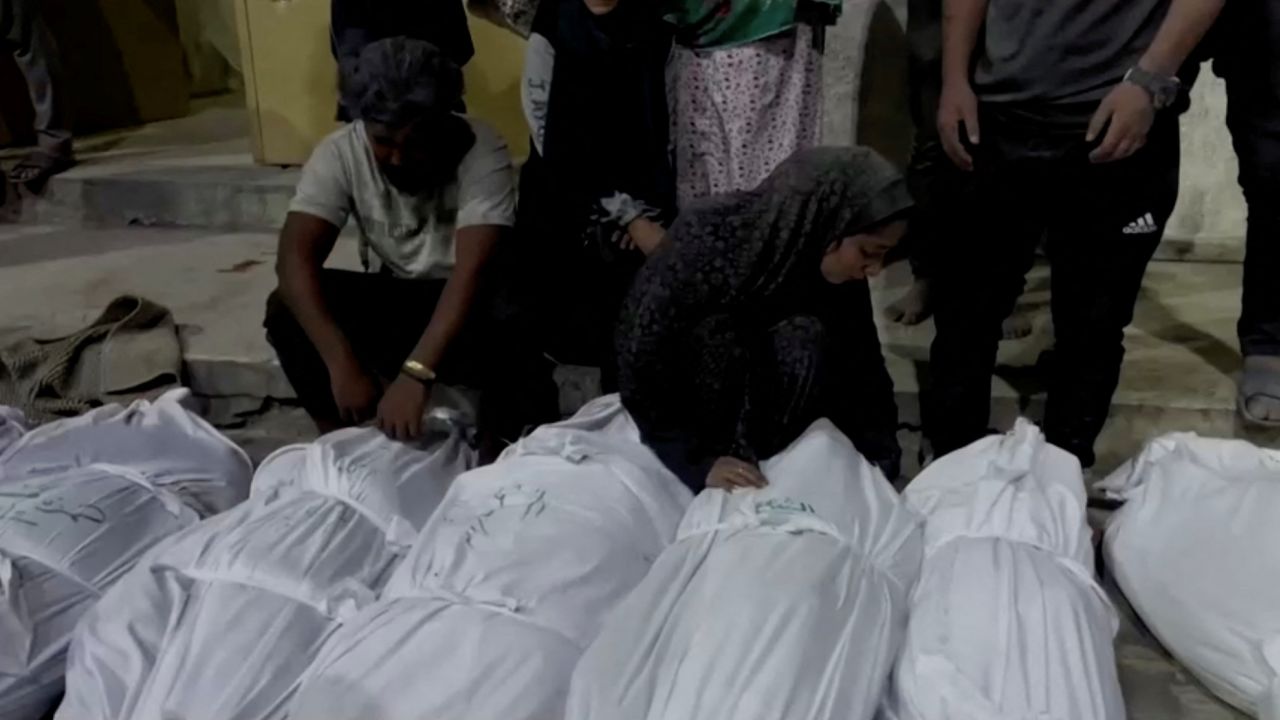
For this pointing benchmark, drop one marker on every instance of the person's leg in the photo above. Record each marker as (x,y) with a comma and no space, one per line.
(999,220)
(1250,64)
(924,40)
(371,310)
(1106,225)
(36,55)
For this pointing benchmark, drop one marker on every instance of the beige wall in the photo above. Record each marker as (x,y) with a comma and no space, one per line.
(291,78)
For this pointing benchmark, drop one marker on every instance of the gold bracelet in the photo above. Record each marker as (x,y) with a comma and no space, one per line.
(418,371)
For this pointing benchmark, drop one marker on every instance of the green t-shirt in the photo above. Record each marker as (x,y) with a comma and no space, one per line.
(710,24)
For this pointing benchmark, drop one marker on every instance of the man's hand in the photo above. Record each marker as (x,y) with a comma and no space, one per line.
(957,105)
(400,412)
(354,392)
(733,474)
(1130,112)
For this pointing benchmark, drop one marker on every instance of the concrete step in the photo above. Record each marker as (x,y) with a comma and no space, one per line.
(240,198)
(193,172)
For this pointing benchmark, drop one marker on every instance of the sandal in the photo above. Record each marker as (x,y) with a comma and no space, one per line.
(40,165)
(1260,379)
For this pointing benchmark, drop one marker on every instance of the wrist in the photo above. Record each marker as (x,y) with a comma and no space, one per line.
(1161,89)
(955,81)
(418,372)
(341,362)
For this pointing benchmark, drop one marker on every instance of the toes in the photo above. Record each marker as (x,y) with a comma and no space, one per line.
(1017,327)
(1264,408)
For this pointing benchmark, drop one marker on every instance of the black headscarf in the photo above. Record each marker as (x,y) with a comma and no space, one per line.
(607,124)
(606,132)
(756,257)
(747,246)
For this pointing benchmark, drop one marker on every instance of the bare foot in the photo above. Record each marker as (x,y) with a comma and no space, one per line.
(1018,326)
(1259,401)
(912,308)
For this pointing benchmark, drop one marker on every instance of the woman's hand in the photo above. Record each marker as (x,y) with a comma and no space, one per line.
(733,474)
(646,235)
(400,412)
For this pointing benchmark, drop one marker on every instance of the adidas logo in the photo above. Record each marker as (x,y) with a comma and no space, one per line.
(1144,225)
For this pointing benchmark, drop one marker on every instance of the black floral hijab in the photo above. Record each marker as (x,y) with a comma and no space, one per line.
(751,252)
(759,241)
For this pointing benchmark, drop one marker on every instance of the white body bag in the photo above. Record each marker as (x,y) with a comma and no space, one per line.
(222,620)
(786,603)
(1007,622)
(508,583)
(81,500)
(1196,550)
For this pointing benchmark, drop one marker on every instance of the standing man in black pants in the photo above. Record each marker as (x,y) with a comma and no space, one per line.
(1246,45)
(1059,124)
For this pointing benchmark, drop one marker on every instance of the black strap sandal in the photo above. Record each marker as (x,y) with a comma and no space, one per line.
(40,165)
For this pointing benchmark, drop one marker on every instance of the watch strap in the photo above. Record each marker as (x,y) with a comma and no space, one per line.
(1163,89)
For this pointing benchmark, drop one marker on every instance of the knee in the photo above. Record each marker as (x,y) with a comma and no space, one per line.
(799,331)
(714,330)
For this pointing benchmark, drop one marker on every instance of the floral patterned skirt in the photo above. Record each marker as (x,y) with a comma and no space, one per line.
(737,113)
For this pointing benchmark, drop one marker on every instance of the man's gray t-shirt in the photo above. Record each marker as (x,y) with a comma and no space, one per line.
(409,236)
(1040,52)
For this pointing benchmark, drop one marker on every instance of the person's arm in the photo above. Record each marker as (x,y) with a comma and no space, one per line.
(486,205)
(1184,27)
(401,409)
(1128,111)
(305,243)
(318,211)
(962,22)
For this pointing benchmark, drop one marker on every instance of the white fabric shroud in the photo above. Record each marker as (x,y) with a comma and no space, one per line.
(163,440)
(786,603)
(1007,621)
(81,500)
(1196,550)
(221,621)
(508,583)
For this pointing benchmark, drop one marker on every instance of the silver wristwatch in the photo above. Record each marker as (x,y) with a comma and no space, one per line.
(1163,89)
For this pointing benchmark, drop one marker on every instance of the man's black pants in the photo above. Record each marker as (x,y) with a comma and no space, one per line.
(383,318)
(1247,50)
(1102,224)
